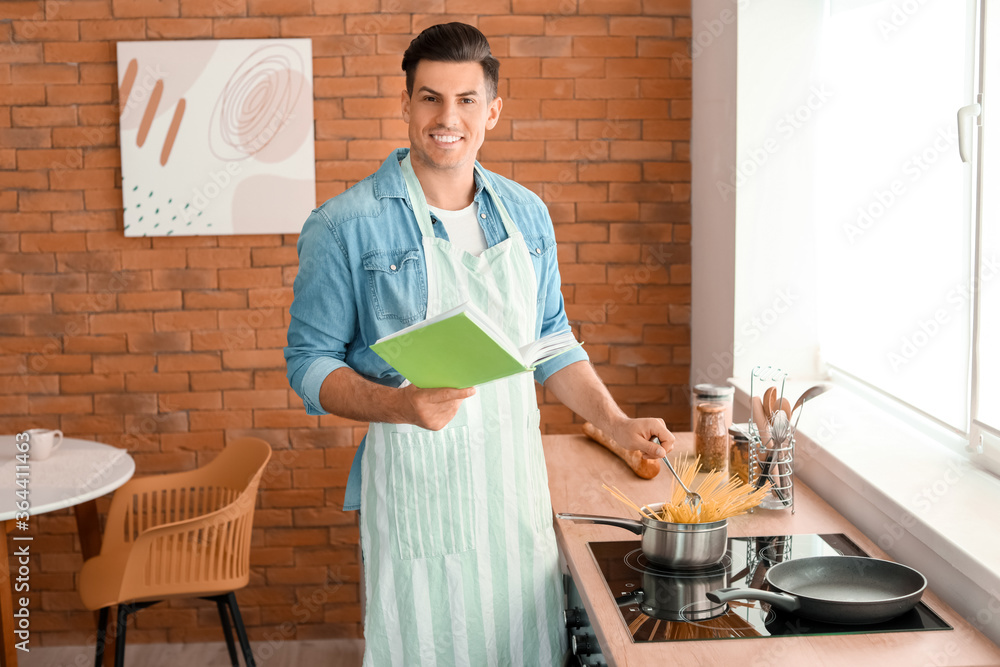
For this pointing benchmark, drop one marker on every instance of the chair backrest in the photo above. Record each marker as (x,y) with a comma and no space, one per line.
(192,535)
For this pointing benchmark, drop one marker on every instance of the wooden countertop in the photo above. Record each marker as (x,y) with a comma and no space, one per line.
(578,466)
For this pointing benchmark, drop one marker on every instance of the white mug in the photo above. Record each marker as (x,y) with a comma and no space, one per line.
(43,442)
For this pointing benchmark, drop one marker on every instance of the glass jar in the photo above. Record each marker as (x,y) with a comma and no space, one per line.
(739,452)
(712,393)
(711,436)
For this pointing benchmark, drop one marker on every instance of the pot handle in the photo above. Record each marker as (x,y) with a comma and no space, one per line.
(628,524)
(782,601)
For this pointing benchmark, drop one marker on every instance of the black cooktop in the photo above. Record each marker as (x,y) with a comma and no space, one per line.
(658,605)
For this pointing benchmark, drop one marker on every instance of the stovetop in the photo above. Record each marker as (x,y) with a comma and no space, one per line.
(658,606)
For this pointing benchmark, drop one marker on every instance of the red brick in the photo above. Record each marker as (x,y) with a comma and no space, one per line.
(112,343)
(170,300)
(24,180)
(245,28)
(279,7)
(174,28)
(641,150)
(157,382)
(576,25)
(114,29)
(243,278)
(85,94)
(210,420)
(79,9)
(25,303)
(617,88)
(221,380)
(239,339)
(547,46)
(20,53)
(512,25)
(82,179)
(611,7)
(23,93)
(214,300)
(126,404)
(110,323)
(222,8)
(88,384)
(79,52)
(186,320)
(185,279)
(58,405)
(190,400)
(218,257)
(25,138)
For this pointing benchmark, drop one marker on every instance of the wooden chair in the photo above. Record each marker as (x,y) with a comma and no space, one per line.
(184,534)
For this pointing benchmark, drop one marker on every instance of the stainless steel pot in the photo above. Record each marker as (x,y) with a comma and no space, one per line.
(850,590)
(681,546)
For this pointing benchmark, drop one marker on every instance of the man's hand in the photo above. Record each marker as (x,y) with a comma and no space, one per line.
(433,409)
(638,434)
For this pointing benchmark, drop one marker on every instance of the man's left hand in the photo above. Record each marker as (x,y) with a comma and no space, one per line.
(638,434)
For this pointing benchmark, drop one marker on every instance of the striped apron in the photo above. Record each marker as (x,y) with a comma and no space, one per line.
(461,566)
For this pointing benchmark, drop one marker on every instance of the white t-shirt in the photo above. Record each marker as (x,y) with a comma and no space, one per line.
(463,228)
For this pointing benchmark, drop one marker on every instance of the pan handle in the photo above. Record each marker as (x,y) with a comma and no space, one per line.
(782,601)
(627,524)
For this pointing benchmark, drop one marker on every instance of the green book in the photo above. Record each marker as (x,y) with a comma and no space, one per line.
(462,348)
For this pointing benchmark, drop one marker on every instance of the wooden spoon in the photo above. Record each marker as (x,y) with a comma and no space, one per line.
(769,398)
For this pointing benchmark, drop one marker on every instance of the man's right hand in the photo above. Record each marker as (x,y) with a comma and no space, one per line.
(433,409)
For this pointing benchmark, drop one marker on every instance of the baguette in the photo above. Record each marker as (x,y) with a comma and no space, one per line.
(643,467)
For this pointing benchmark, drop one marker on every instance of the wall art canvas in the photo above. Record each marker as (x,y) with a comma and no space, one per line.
(216,136)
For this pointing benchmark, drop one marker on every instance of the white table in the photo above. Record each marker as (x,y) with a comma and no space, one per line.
(76,475)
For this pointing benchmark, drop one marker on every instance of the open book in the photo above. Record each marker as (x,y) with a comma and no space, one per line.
(462,348)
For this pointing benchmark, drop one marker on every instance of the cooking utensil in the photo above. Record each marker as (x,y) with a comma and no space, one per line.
(785,407)
(808,394)
(850,590)
(693,499)
(770,397)
(672,545)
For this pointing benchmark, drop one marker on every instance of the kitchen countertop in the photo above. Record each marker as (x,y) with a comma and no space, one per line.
(577,467)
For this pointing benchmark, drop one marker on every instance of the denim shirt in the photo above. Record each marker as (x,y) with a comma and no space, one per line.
(362,275)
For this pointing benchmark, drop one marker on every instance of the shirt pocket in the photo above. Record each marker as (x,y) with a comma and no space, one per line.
(541,249)
(397,283)
(431,478)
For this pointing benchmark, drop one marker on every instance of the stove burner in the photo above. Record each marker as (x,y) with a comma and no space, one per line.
(636,560)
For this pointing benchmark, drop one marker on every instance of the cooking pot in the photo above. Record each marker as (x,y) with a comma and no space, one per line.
(678,546)
(850,590)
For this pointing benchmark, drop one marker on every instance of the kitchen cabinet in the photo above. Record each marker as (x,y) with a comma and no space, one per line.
(577,467)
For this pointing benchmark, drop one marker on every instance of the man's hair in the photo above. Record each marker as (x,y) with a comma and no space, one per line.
(456,43)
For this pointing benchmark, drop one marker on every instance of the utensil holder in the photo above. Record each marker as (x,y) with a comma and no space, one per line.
(771,461)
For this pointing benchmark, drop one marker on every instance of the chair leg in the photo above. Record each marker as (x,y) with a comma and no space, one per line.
(102,636)
(123,612)
(241,631)
(227,630)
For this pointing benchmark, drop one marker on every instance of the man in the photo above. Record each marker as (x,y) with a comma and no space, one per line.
(456,525)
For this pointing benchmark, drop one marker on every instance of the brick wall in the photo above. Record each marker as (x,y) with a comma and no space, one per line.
(171,346)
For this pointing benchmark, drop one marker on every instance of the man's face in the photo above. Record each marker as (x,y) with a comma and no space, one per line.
(448,114)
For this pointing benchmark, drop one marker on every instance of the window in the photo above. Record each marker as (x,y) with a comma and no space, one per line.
(903,226)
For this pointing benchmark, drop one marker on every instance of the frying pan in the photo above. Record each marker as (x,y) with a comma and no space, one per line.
(672,545)
(850,590)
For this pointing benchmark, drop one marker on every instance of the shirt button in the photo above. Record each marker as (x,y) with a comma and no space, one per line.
(482,215)
(392,267)
(538,251)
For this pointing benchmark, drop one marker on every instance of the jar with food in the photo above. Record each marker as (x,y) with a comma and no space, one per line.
(739,452)
(711,437)
(711,393)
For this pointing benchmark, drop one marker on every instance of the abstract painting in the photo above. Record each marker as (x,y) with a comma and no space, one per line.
(216,136)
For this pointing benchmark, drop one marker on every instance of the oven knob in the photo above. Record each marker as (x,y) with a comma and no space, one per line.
(575,618)
(582,645)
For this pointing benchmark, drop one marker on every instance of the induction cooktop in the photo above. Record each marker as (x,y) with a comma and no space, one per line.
(660,605)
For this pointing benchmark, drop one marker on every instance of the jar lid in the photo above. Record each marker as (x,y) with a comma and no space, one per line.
(740,432)
(711,407)
(713,391)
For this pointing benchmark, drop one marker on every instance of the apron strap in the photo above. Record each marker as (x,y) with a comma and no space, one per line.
(423,213)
